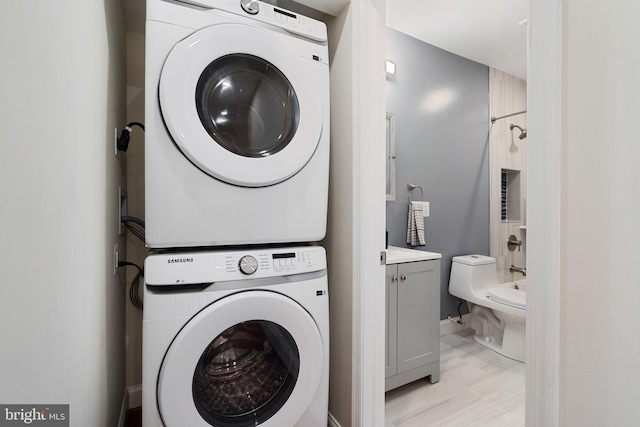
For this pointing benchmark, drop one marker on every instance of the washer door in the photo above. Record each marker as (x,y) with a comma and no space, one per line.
(251,358)
(240,104)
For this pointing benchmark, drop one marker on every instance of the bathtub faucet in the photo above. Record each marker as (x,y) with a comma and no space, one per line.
(515,269)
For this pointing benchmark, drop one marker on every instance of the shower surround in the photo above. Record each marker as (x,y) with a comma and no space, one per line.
(508,94)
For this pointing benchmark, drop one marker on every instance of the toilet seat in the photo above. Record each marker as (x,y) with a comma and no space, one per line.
(508,296)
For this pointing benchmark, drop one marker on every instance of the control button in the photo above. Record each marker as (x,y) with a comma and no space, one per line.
(248,265)
(250,6)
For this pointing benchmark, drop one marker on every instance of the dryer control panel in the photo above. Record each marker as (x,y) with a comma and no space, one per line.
(269,14)
(188,268)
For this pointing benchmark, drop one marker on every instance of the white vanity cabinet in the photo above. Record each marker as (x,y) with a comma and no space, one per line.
(412,327)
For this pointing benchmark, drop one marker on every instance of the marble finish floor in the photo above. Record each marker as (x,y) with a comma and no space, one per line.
(477,387)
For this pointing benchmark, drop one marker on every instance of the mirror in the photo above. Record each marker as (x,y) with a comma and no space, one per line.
(391,158)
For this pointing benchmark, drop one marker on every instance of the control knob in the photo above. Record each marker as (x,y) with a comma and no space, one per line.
(250,6)
(248,265)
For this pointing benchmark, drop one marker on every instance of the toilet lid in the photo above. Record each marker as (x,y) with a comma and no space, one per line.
(509,296)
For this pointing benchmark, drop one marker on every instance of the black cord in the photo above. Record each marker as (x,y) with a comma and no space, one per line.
(123,140)
(127,263)
(133,219)
(134,293)
(140,125)
(135,225)
(136,231)
(459,313)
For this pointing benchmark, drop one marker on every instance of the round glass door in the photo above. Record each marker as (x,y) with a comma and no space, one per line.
(247,105)
(251,358)
(246,374)
(242,104)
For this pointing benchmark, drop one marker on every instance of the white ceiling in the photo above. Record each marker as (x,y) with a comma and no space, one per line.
(485,31)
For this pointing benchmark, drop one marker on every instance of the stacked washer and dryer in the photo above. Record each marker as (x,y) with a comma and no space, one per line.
(236,321)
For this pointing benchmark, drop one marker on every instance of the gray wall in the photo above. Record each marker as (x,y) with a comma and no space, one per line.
(441,106)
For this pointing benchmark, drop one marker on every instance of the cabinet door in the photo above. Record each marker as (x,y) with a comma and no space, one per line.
(418,315)
(391,321)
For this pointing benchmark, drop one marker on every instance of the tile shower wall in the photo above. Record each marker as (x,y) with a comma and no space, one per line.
(508,153)
(440,103)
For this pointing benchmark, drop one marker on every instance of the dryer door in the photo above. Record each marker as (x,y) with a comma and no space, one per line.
(240,104)
(251,358)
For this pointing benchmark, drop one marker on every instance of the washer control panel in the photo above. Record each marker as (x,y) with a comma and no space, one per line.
(248,265)
(219,266)
(250,6)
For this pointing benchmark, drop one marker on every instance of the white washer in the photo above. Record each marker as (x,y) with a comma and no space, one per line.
(237,124)
(236,338)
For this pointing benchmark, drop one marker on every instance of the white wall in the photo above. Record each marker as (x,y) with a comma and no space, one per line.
(61,306)
(584,206)
(355,234)
(600,316)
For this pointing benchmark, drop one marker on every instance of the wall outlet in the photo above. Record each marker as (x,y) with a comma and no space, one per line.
(116,256)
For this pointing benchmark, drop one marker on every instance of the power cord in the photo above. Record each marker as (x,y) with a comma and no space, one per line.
(123,140)
(134,293)
(459,313)
(134,225)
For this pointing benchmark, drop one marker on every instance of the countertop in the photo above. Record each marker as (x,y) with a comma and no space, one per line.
(397,255)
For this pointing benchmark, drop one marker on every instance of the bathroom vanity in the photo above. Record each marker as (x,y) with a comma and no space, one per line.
(412,327)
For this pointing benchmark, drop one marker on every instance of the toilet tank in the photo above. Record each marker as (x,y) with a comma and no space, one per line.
(471,274)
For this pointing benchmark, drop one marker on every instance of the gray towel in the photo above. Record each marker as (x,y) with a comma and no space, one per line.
(415,224)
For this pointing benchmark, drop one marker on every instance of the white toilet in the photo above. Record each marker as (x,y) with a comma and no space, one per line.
(497,310)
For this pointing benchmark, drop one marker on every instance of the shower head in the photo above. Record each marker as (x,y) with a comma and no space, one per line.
(523,132)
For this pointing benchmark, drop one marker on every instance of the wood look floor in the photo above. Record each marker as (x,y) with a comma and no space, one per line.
(477,387)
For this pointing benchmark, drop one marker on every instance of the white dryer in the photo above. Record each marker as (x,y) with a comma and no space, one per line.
(236,338)
(237,124)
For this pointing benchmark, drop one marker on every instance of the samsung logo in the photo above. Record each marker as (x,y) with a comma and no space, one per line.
(177,260)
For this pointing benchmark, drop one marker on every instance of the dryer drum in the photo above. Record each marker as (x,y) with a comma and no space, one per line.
(247,105)
(246,374)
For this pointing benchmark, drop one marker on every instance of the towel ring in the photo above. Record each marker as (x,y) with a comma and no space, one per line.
(412,187)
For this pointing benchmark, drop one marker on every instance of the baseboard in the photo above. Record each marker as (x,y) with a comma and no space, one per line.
(131,398)
(134,394)
(332,422)
(448,326)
